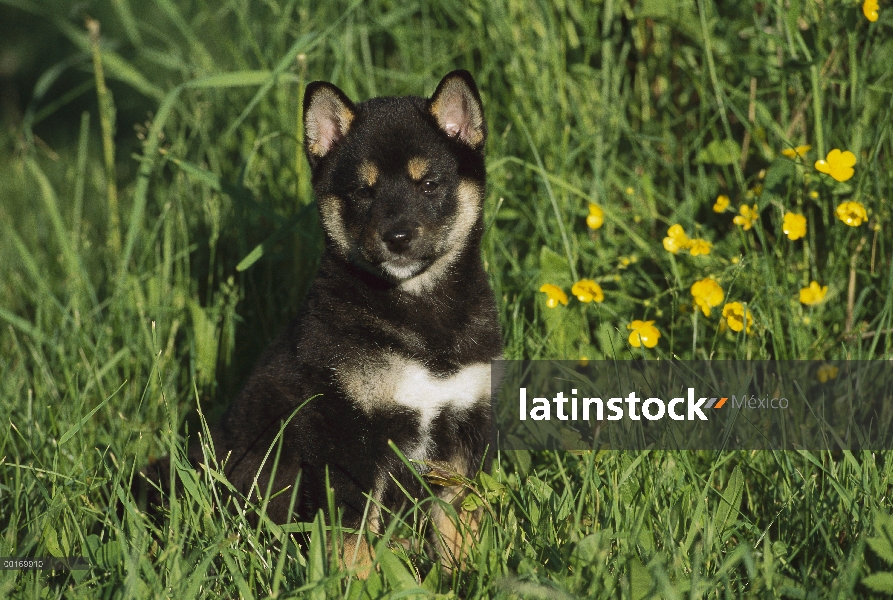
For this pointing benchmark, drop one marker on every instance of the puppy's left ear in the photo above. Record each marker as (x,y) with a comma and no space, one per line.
(456,106)
(328,115)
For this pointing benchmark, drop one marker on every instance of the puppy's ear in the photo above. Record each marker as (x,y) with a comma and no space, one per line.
(328,114)
(456,106)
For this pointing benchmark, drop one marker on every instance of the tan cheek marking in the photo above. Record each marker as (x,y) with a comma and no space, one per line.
(333,222)
(417,166)
(470,197)
(368,173)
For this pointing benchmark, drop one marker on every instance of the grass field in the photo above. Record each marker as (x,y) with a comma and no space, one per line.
(160,229)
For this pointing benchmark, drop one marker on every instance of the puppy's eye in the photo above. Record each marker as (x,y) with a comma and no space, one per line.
(429,187)
(363,193)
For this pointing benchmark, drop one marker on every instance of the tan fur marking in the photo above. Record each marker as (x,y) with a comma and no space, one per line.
(345,116)
(454,540)
(470,200)
(391,378)
(417,167)
(333,222)
(368,173)
(357,554)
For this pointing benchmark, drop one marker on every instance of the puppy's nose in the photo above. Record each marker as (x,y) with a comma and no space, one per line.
(398,240)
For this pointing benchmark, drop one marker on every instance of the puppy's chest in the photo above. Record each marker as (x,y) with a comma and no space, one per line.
(390,381)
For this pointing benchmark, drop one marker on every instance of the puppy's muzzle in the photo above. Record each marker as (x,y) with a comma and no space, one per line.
(398,240)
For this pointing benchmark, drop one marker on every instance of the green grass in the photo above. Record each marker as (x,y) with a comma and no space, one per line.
(159,234)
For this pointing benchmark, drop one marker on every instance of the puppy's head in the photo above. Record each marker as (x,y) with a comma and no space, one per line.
(399,181)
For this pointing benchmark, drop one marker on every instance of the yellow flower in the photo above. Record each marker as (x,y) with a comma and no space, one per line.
(837,164)
(707,294)
(852,213)
(643,333)
(734,314)
(587,290)
(794,226)
(596,216)
(869,9)
(676,239)
(747,217)
(800,151)
(826,373)
(722,203)
(555,295)
(672,244)
(814,294)
(699,246)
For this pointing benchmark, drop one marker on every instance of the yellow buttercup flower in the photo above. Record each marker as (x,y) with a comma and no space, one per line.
(596,217)
(837,164)
(587,290)
(852,213)
(554,295)
(676,239)
(707,294)
(799,151)
(747,216)
(794,226)
(644,333)
(735,316)
(699,246)
(814,294)
(672,245)
(869,9)
(826,373)
(722,203)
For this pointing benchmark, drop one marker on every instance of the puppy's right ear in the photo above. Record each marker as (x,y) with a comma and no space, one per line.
(456,105)
(328,114)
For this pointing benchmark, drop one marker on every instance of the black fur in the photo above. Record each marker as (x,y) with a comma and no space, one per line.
(359,313)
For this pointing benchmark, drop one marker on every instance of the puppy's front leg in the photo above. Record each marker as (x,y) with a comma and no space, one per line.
(454,538)
(357,555)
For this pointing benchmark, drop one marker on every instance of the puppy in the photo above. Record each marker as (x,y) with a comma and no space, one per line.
(395,338)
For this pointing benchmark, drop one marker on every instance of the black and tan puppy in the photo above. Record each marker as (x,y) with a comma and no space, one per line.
(395,338)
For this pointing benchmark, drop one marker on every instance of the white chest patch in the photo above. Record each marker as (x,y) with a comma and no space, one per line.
(417,388)
(393,379)
(398,380)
